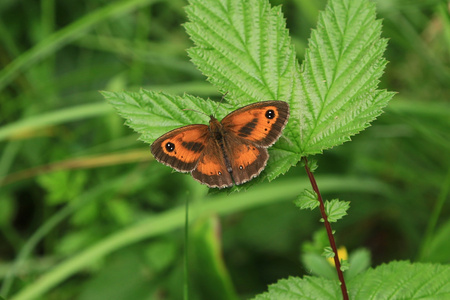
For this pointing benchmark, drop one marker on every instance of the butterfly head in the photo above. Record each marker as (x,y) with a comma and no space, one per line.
(214,124)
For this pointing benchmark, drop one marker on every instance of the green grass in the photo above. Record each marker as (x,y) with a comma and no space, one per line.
(68,232)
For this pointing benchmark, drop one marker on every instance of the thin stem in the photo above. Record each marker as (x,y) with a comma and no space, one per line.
(329,231)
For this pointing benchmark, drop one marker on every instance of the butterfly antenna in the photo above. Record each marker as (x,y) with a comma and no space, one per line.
(220,102)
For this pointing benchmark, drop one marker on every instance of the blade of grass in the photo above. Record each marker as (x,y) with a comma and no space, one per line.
(163,54)
(67,35)
(80,163)
(412,37)
(53,118)
(437,211)
(7,158)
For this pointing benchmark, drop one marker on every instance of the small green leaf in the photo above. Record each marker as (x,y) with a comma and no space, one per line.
(307,199)
(328,252)
(344,265)
(336,209)
(312,164)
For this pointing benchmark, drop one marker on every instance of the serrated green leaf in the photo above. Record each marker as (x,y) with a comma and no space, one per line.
(307,199)
(396,280)
(402,280)
(152,114)
(295,288)
(244,48)
(336,209)
(340,75)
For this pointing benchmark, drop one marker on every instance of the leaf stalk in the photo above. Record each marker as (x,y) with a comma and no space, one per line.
(337,262)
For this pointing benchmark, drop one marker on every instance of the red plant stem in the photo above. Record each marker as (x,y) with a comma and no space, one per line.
(329,231)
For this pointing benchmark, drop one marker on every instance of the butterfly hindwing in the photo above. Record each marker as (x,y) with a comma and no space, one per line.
(247,160)
(181,148)
(261,123)
(212,168)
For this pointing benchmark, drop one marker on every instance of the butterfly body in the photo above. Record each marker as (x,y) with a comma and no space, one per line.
(231,151)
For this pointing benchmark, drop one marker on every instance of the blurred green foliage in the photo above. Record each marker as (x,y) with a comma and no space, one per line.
(82,199)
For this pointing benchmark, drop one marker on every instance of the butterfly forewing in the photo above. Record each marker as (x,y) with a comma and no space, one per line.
(261,123)
(181,148)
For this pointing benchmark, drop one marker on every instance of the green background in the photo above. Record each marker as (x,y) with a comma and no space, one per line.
(73,178)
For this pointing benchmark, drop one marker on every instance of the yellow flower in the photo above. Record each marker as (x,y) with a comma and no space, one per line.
(342,253)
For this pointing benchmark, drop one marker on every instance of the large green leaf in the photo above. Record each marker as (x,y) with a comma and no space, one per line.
(397,280)
(244,49)
(343,64)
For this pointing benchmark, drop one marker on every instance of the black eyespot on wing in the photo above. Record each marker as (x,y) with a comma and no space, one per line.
(270,114)
(261,123)
(170,147)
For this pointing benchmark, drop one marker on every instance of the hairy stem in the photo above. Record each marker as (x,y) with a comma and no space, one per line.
(337,262)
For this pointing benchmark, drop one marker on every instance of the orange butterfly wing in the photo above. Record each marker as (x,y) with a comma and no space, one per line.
(251,129)
(260,123)
(191,149)
(247,160)
(181,148)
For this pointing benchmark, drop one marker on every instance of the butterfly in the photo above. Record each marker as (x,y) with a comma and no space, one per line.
(231,151)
